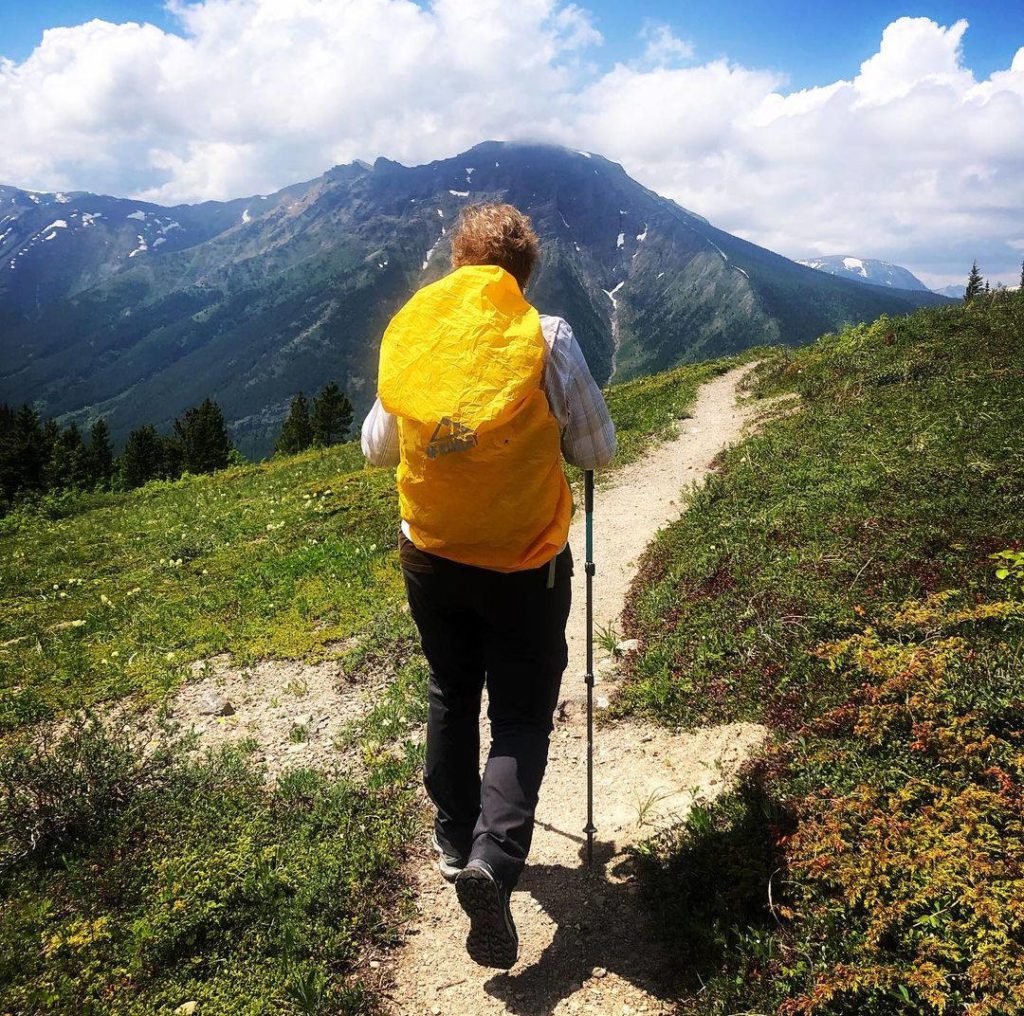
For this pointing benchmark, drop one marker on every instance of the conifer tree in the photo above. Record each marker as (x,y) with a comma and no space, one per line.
(1022,276)
(68,464)
(172,457)
(101,455)
(142,458)
(203,438)
(973,284)
(297,430)
(31,446)
(332,415)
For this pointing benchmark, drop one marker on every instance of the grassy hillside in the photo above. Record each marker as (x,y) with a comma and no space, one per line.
(134,881)
(836,580)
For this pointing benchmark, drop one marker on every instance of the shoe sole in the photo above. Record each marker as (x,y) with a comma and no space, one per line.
(490,942)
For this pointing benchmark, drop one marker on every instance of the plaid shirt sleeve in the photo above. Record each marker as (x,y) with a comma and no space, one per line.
(588,434)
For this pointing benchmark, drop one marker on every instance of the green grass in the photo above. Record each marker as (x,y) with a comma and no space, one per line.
(280,559)
(833,580)
(133,884)
(194,883)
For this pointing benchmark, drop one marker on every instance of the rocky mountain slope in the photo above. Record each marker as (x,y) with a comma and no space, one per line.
(133,311)
(868,270)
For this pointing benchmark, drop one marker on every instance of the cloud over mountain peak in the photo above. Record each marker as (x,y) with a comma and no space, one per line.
(914,158)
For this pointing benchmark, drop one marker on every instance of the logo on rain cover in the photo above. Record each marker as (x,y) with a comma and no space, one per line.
(450,436)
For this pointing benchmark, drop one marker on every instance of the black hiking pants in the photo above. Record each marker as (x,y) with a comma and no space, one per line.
(506,631)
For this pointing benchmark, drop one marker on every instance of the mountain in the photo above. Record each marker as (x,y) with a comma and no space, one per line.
(953,292)
(133,311)
(867,270)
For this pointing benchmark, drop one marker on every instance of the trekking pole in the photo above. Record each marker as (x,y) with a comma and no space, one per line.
(588,504)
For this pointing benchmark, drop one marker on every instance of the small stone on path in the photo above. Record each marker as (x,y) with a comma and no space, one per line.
(213,703)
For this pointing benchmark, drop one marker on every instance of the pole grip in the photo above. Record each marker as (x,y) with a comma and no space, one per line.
(588,491)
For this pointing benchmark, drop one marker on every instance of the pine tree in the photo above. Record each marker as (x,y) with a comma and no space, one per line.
(297,430)
(101,455)
(172,457)
(973,284)
(68,464)
(31,449)
(332,415)
(1022,276)
(988,288)
(142,458)
(203,438)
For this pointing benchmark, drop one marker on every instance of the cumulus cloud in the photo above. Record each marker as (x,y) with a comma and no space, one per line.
(913,160)
(258,93)
(662,46)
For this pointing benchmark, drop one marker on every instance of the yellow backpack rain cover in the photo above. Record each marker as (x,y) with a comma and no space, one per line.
(480,479)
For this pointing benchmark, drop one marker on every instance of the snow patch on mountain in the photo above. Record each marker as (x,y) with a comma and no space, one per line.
(865,270)
(611,294)
(430,252)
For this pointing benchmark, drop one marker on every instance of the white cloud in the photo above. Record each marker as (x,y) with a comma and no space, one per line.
(662,46)
(259,93)
(914,160)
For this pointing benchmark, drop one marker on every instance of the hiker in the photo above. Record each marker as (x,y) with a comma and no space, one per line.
(479,398)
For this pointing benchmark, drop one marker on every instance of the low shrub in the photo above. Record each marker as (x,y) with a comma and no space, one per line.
(66,785)
(851,577)
(195,883)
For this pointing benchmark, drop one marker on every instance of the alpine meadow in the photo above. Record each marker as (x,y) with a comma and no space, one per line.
(511,510)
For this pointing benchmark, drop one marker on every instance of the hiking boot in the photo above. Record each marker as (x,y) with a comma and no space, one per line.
(448,864)
(492,940)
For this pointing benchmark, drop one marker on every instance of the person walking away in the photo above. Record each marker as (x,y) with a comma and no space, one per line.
(479,399)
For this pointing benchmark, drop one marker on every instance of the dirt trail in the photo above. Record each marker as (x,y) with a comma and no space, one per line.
(586,945)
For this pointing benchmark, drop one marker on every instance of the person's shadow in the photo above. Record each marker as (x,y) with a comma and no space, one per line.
(609,919)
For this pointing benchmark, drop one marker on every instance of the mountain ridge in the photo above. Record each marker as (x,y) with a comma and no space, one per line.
(870,271)
(252,299)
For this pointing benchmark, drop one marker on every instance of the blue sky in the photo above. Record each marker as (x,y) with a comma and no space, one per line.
(875,129)
(814,41)
(810,42)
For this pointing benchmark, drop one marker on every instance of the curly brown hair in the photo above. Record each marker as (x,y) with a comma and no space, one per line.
(491,234)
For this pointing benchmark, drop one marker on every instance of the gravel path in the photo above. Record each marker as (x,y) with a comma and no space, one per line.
(587,946)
